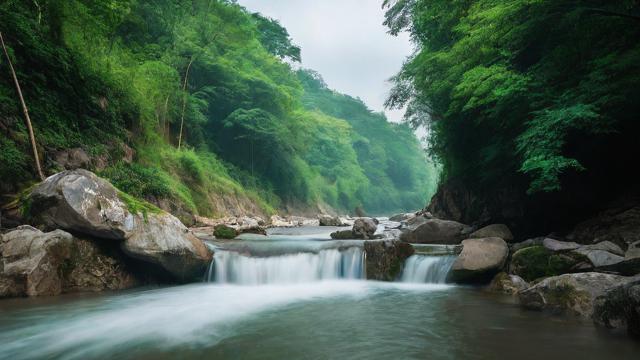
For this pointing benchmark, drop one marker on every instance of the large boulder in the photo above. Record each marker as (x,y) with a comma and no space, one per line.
(479,260)
(434,231)
(507,284)
(385,258)
(599,258)
(163,240)
(82,203)
(364,228)
(537,261)
(495,230)
(33,263)
(568,293)
(619,307)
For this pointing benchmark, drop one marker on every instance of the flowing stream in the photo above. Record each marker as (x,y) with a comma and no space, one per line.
(297,295)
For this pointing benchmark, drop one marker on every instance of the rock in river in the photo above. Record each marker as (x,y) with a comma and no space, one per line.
(479,260)
(82,203)
(33,263)
(569,293)
(434,231)
(364,228)
(507,284)
(619,307)
(385,258)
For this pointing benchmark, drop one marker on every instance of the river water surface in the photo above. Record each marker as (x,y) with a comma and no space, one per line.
(309,303)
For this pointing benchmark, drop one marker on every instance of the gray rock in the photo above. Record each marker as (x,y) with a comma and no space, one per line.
(479,260)
(402,217)
(81,202)
(328,220)
(342,235)
(605,246)
(627,267)
(364,228)
(385,258)
(495,230)
(619,307)
(568,293)
(434,231)
(162,239)
(72,159)
(32,261)
(633,251)
(556,245)
(507,284)
(600,258)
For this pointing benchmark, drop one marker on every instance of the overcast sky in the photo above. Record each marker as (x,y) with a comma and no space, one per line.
(345,41)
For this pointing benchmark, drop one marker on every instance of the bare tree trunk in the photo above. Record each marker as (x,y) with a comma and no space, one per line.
(184,101)
(32,137)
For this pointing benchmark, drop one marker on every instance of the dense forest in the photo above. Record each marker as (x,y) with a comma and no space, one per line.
(195,103)
(532,106)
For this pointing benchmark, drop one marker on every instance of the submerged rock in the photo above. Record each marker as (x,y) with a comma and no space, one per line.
(495,230)
(619,307)
(385,258)
(434,231)
(479,260)
(568,293)
(507,284)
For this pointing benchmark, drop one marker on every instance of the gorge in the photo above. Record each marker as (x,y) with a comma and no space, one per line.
(175,183)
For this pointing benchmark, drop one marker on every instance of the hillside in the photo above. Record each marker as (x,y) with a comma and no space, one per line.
(197,107)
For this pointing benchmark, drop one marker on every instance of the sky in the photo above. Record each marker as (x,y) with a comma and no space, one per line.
(345,41)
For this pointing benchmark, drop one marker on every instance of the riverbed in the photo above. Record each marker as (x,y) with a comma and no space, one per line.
(311,302)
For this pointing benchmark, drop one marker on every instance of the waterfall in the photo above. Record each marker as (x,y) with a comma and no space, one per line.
(235,268)
(427,269)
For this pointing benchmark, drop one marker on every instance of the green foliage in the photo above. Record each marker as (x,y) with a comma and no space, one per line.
(136,206)
(137,180)
(224,232)
(536,262)
(517,87)
(100,74)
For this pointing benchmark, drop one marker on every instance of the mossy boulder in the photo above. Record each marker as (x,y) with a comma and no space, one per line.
(536,262)
(224,232)
(569,293)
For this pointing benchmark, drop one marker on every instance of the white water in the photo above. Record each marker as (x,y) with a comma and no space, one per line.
(427,269)
(230,267)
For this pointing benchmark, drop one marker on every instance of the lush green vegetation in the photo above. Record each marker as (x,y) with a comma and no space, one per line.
(205,94)
(541,96)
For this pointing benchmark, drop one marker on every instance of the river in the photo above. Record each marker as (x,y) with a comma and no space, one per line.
(295,295)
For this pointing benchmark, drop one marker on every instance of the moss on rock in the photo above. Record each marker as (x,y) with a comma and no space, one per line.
(224,232)
(535,262)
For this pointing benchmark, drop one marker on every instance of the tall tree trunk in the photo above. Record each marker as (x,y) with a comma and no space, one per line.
(32,137)
(184,100)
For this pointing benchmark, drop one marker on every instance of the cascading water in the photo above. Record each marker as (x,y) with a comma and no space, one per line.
(232,267)
(427,269)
